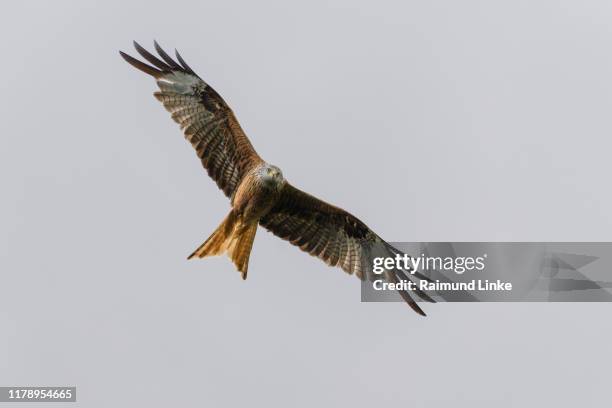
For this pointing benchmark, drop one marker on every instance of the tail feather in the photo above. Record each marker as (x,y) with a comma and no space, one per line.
(233,237)
(218,242)
(240,248)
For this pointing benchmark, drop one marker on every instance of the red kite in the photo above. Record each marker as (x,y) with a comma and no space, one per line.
(259,193)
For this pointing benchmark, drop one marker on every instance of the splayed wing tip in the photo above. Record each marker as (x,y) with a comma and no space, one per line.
(152,58)
(183,63)
(165,56)
(147,69)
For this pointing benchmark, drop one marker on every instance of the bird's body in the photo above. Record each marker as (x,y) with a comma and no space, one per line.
(258,192)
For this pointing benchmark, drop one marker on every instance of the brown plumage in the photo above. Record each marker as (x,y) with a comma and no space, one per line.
(259,194)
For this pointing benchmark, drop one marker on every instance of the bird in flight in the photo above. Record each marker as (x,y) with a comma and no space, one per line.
(258,192)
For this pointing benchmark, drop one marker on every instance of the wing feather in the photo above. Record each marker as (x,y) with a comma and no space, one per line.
(334,236)
(208,123)
(165,56)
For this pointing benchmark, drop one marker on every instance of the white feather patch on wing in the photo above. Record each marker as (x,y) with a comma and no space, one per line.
(181,83)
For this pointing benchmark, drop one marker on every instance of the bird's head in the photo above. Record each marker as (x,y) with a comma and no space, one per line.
(272,175)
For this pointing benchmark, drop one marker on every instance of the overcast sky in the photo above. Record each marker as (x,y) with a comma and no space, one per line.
(430,121)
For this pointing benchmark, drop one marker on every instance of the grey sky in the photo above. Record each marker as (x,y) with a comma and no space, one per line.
(431,121)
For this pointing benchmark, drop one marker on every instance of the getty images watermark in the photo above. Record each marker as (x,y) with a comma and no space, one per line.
(458,265)
(493,271)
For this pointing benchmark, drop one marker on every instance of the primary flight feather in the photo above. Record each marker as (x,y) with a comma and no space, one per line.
(259,193)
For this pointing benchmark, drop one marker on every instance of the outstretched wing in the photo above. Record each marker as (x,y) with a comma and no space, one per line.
(206,120)
(335,236)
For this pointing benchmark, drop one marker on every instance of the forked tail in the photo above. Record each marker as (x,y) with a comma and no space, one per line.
(234,237)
